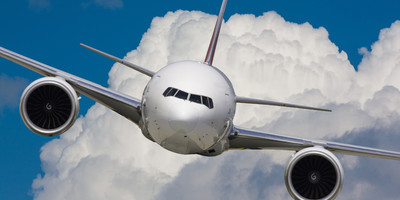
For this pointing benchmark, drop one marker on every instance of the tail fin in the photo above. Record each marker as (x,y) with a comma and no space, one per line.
(213,43)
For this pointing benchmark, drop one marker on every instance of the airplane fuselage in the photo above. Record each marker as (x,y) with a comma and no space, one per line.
(188,108)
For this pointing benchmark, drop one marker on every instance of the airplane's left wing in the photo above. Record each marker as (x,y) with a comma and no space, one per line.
(250,139)
(123,104)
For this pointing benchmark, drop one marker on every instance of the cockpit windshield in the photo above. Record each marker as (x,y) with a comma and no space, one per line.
(170,91)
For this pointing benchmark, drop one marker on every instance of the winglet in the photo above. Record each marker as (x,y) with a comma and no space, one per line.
(214,39)
(126,63)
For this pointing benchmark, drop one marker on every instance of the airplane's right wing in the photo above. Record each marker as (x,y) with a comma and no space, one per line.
(123,104)
(250,139)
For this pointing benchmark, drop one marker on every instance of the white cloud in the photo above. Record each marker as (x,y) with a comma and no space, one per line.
(104,156)
(381,66)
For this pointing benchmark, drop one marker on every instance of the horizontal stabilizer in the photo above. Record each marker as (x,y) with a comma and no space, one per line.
(126,63)
(273,103)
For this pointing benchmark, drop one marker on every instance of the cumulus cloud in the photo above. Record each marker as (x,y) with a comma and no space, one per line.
(104,156)
(10,90)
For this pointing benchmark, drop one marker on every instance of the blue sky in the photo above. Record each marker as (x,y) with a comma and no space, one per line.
(50,32)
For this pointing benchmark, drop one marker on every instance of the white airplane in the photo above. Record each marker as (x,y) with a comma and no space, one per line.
(188,108)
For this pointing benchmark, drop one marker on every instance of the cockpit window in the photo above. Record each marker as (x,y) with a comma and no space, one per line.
(205,101)
(208,102)
(166,92)
(192,97)
(195,98)
(169,92)
(182,95)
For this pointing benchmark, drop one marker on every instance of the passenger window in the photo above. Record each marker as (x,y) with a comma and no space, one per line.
(182,95)
(195,98)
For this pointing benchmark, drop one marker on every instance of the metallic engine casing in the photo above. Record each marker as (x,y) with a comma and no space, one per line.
(320,151)
(67,88)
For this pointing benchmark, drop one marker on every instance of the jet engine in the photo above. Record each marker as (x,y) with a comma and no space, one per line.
(314,173)
(49,106)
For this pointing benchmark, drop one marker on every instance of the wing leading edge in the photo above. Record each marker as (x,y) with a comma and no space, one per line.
(123,104)
(250,139)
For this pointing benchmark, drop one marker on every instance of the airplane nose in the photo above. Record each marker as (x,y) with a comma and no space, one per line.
(182,125)
(183,119)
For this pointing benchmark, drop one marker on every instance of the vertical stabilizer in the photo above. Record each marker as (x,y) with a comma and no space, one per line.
(213,43)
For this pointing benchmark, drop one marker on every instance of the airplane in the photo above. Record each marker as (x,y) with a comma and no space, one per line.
(187,107)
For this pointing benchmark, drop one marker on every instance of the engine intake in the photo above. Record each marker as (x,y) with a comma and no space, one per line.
(314,173)
(49,106)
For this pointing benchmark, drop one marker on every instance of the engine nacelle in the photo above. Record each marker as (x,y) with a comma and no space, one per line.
(49,106)
(314,173)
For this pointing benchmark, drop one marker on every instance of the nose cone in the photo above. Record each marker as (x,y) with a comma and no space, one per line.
(183,119)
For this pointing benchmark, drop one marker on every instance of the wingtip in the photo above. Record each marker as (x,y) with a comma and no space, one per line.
(85,46)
